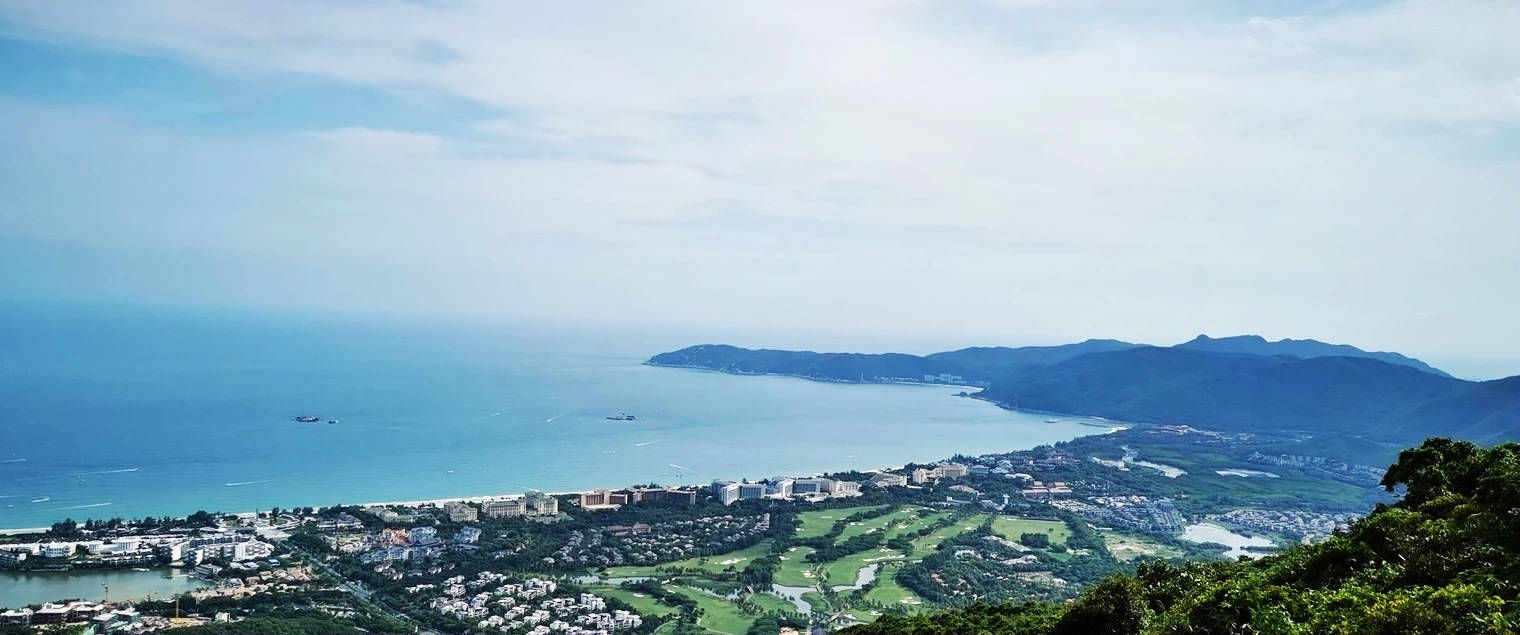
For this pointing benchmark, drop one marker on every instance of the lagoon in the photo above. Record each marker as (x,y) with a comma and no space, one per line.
(1235,543)
(18,588)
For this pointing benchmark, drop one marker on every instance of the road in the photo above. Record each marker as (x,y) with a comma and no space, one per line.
(358,590)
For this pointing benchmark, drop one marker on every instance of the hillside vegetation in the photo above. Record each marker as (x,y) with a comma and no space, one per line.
(1253,393)
(1444,559)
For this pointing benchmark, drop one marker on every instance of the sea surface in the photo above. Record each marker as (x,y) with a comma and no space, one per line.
(128,412)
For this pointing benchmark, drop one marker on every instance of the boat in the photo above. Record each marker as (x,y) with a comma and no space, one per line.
(622,417)
(141,569)
(331,421)
(306,418)
(1052,421)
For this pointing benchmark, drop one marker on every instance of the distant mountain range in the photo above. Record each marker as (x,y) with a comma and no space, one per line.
(1243,383)
(1306,349)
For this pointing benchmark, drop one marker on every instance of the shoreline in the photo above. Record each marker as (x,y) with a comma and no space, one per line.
(1099,425)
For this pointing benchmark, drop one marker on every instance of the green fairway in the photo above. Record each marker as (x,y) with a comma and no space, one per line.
(718,615)
(771,603)
(889,593)
(876,524)
(927,544)
(915,523)
(644,604)
(736,560)
(1011,527)
(817,523)
(842,572)
(795,570)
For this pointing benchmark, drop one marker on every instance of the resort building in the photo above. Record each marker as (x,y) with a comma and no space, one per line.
(603,499)
(461,512)
(505,508)
(662,495)
(728,494)
(888,479)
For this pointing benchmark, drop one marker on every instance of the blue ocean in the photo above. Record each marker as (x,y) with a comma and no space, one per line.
(129,412)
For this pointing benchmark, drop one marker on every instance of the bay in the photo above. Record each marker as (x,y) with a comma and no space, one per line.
(126,412)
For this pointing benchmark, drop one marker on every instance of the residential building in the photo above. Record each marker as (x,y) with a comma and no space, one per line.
(461,512)
(57,550)
(422,535)
(952,470)
(920,475)
(467,535)
(16,617)
(544,505)
(1041,489)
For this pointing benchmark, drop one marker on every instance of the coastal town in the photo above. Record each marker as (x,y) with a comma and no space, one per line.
(793,552)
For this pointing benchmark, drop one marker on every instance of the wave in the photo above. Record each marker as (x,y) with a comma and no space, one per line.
(680,467)
(85,506)
(609,451)
(44,499)
(12,460)
(640,445)
(125,469)
(242,483)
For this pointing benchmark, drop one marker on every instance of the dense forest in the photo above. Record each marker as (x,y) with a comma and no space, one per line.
(1444,559)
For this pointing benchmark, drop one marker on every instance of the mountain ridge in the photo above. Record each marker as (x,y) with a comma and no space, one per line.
(1304,349)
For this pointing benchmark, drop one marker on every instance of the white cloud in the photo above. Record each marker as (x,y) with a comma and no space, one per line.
(1326,175)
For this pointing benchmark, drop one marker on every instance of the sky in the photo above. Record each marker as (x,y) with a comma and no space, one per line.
(997,172)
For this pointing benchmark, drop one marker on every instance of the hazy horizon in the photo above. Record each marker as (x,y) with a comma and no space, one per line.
(895,176)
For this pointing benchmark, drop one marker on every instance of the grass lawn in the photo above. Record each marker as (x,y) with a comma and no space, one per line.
(843,571)
(795,568)
(712,564)
(644,604)
(817,523)
(1127,547)
(1011,527)
(718,615)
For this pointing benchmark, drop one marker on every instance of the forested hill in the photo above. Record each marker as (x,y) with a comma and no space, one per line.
(974,365)
(1258,345)
(1445,559)
(1351,395)
(1236,383)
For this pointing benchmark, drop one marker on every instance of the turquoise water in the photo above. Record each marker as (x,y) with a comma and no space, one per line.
(114,412)
(20,589)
